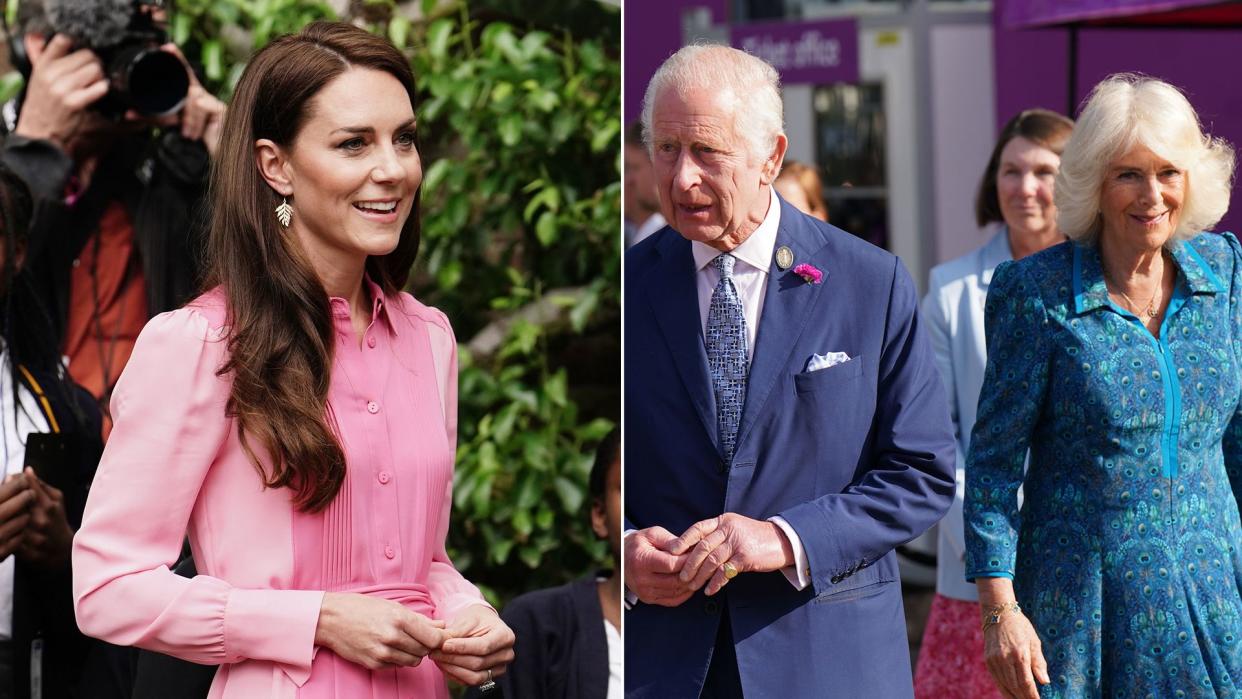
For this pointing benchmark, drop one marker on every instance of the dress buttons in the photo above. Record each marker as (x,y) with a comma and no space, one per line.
(384,477)
(389,553)
(371,342)
(711,607)
(372,407)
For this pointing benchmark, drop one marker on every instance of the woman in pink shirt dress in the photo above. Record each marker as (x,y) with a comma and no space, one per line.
(322,573)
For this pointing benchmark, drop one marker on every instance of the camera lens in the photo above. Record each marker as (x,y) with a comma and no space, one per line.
(152,81)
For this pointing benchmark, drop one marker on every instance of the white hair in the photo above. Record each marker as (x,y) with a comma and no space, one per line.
(1126,110)
(753,85)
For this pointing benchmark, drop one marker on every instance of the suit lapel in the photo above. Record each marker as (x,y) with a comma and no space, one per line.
(787,306)
(675,304)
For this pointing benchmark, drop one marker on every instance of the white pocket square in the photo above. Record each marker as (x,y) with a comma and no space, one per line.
(823,361)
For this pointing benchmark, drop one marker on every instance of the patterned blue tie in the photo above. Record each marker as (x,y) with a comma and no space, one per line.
(726,354)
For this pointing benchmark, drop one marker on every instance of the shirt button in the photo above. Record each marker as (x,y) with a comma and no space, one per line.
(384,477)
(371,341)
(372,407)
(389,553)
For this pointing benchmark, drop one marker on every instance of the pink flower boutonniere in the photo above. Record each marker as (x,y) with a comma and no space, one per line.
(810,273)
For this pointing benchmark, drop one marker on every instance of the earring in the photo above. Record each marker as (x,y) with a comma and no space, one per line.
(284,212)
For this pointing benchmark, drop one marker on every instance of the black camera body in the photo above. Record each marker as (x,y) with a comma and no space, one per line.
(127,38)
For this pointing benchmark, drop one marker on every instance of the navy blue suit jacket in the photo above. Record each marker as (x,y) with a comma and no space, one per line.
(858,458)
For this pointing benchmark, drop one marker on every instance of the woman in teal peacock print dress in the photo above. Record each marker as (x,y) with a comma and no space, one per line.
(1117,359)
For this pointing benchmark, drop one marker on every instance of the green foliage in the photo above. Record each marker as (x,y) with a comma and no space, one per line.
(221,34)
(522,200)
(519,130)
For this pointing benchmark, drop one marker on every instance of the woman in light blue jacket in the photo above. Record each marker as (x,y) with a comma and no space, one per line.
(1016,191)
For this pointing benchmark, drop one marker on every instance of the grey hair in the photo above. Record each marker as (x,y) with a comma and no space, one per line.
(1125,110)
(32,19)
(755,86)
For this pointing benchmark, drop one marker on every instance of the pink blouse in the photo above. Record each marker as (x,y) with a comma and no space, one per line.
(174,464)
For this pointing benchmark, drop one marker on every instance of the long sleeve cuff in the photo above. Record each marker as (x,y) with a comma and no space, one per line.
(799,574)
(248,620)
(971,577)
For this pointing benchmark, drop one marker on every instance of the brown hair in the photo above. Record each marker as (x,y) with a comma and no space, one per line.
(1040,126)
(807,177)
(280,333)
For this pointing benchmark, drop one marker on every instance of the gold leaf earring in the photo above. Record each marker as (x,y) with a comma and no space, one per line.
(284,212)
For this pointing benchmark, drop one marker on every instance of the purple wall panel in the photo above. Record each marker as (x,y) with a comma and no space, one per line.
(1031,68)
(652,34)
(1044,12)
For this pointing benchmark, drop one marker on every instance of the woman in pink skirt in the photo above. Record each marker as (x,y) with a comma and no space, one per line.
(1016,191)
(298,420)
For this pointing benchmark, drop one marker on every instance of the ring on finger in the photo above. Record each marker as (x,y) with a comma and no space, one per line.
(490,685)
(730,570)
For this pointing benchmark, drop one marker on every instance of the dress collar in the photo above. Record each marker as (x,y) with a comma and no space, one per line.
(756,250)
(379,305)
(1091,292)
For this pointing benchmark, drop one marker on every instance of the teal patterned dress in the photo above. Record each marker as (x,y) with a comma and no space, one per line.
(1125,553)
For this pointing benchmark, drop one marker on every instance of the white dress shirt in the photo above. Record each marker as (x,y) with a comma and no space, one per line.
(616,661)
(653,224)
(750,277)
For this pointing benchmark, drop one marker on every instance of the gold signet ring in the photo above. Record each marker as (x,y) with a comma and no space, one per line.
(730,570)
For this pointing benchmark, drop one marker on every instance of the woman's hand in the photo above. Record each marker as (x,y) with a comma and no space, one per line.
(1014,656)
(477,641)
(375,633)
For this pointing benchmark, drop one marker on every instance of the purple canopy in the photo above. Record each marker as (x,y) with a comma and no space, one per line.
(1037,13)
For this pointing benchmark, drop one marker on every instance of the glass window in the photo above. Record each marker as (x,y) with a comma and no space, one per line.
(850,149)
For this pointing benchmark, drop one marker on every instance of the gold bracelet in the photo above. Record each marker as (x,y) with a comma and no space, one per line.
(992,616)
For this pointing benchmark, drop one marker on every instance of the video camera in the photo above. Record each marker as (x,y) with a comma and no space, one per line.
(127,38)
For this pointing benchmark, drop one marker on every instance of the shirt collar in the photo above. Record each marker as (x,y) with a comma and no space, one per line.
(379,305)
(1091,292)
(996,251)
(756,250)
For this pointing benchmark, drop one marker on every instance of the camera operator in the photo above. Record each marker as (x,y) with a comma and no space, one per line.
(117,188)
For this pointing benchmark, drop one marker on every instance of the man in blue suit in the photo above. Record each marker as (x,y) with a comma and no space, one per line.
(785,427)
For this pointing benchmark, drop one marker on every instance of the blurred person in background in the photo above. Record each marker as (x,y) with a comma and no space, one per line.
(1114,359)
(800,185)
(641,205)
(50,431)
(1016,191)
(570,636)
(115,235)
(310,409)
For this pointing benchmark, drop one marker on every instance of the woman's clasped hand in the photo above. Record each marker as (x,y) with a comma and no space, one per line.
(378,633)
